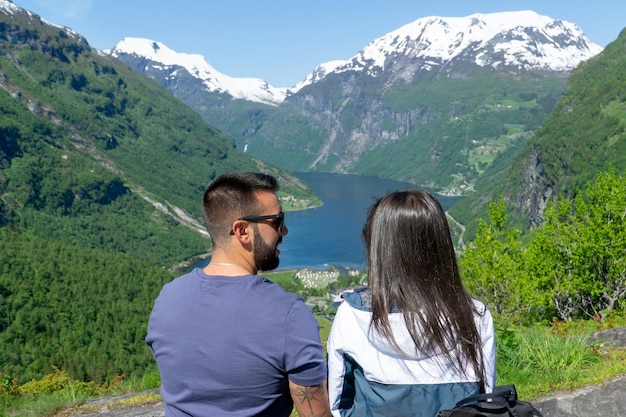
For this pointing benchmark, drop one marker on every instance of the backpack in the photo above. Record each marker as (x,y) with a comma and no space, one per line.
(502,402)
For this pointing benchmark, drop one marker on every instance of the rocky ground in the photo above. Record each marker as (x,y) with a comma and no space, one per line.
(603,400)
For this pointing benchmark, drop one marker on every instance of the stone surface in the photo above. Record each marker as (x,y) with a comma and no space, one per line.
(612,337)
(605,400)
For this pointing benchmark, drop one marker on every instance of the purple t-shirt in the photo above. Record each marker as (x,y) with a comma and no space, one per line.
(226,346)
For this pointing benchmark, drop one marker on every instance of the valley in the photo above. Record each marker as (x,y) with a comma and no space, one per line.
(104,157)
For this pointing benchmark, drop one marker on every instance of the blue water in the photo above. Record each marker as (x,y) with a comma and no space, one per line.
(331,234)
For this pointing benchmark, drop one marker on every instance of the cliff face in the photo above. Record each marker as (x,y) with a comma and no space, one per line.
(535,191)
(351,123)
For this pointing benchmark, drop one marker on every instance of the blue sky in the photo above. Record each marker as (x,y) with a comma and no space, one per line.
(282,41)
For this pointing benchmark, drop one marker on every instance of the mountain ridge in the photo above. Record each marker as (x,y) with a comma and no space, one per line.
(582,137)
(444,39)
(434,39)
(251,89)
(436,102)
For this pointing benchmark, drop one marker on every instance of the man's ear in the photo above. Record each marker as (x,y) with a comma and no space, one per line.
(241,230)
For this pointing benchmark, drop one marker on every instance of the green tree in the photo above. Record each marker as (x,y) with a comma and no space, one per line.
(492,265)
(579,253)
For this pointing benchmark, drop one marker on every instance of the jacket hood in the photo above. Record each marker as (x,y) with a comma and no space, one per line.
(361,303)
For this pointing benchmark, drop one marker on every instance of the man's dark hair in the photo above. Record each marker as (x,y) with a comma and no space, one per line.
(412,266)
(232,196)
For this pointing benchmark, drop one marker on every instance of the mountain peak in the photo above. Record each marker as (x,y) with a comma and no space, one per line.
(250,89)
(522,39)
(14,11)
(519,41)
(8,7)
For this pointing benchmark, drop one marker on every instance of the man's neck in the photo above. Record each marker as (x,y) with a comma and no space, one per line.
(228,267)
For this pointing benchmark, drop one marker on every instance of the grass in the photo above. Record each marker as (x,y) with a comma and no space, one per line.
(542,360)
(539,360)
(56,395)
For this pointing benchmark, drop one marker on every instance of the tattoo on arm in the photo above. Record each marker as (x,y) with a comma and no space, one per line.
(310,400)
(304,395)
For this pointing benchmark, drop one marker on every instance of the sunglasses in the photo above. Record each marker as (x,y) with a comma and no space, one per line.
(256,219)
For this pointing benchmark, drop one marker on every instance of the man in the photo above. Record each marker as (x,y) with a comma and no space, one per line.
(229,342)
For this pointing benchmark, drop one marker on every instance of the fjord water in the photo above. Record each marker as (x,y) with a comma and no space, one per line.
(330,235)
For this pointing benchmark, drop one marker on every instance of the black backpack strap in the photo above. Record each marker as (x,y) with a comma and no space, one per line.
(504,392)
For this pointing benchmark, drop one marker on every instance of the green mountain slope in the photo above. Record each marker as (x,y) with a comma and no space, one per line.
(466,122)
(101,178)
(96,154)
(584,135)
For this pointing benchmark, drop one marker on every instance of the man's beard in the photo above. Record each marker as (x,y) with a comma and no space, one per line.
(265,256)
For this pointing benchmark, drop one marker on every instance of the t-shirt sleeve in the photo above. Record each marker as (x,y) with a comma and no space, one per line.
(303,352)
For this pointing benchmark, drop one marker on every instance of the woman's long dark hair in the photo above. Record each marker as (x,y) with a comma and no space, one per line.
(412,263)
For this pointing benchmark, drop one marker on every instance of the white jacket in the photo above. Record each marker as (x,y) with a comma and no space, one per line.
(368,377)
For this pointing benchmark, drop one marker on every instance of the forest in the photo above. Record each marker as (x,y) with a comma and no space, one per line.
(101,177)
(82,310)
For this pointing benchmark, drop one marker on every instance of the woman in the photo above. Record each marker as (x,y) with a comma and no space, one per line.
(414,341)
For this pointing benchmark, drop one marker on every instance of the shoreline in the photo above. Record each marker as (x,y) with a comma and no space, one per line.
(181,267)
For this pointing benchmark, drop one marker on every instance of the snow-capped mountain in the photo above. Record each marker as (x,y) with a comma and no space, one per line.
(522,40)
(434,101)
(11,9)
(251,89)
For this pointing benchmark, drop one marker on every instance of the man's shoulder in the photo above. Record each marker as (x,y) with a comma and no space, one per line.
(179,281)
(267,285)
